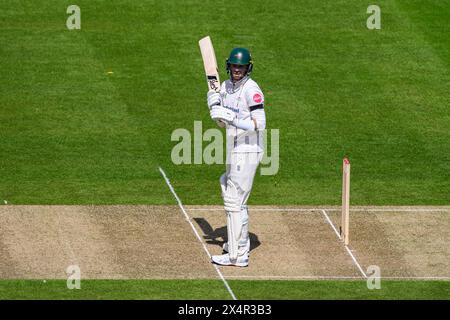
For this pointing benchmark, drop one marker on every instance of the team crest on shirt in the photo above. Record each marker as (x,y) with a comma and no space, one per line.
(257,98)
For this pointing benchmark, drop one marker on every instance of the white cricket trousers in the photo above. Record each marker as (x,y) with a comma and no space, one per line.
(241,170)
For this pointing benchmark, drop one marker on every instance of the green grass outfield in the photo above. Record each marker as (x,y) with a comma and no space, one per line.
(73,134)
(214,289)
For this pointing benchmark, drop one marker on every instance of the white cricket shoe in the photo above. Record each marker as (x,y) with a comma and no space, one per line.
(224,260)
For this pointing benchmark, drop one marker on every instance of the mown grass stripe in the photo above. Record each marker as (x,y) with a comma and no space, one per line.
(213,289)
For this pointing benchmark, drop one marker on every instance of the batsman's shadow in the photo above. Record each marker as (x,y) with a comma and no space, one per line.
(219,236)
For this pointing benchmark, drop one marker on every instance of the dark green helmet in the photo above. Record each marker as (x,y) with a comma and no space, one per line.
(240,56)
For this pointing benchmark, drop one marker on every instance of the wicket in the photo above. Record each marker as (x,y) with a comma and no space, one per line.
(345,201)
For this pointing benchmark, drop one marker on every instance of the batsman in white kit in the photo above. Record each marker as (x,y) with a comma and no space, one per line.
(239,106)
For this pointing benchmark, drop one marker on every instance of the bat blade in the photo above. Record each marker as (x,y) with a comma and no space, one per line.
(210,63)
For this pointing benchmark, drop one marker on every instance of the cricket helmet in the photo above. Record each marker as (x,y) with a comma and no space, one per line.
(240,56)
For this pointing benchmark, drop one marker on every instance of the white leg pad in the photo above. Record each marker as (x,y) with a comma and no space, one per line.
(234,228)
(231,197)
(232,205)
(244,240)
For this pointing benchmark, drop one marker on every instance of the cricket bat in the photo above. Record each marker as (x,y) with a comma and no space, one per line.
(211,69)
(210,64)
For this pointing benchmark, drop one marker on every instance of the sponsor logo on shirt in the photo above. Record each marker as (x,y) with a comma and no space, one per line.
(232,109)
(257,98)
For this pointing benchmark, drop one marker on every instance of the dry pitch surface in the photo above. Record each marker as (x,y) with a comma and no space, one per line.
(156,242)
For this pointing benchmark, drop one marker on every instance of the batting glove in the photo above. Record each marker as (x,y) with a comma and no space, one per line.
(214,99)
(221,113)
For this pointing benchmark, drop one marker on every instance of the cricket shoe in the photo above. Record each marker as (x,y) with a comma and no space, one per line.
(224,260)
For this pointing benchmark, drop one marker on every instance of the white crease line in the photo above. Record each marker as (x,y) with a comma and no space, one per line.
(331,224)
(331,209)
(296,277)
(196,233)
(255,209)
(346,247)
(334,278)
(447,210)
(356,261)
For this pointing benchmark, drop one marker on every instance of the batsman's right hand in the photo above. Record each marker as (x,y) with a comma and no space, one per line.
(214,99)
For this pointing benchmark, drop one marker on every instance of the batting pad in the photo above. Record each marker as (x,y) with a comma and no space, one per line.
(234,229)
